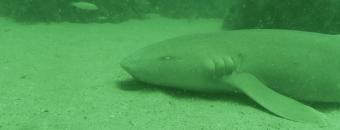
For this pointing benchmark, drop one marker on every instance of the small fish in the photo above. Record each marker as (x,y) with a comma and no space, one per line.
(84,5)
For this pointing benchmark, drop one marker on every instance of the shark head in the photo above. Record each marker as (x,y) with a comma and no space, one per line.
(176,66)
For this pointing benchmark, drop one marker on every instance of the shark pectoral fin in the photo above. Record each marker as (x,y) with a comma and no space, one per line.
(274,102)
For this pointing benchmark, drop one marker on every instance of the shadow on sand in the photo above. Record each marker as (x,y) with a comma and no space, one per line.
(238,98)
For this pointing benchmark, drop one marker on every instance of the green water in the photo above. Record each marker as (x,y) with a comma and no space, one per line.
(59,63)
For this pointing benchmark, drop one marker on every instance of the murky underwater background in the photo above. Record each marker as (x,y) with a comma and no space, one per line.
(59,62)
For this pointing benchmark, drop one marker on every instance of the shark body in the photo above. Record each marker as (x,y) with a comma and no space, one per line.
(278,69)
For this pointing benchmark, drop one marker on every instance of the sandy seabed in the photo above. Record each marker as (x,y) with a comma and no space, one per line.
(66,76)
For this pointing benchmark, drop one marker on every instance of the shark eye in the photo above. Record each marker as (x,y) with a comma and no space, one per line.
(167,58)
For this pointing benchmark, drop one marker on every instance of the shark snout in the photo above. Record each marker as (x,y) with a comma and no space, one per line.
(133,66)
(127,64)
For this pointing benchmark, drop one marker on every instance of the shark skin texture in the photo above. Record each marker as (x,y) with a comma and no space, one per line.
(278,69)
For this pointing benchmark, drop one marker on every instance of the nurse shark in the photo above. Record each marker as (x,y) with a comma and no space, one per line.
(278,69)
